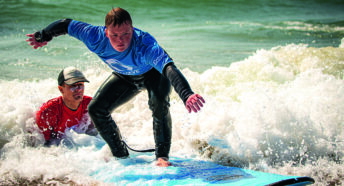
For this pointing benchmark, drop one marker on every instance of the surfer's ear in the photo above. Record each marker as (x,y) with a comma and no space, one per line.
(60,89)
(106,32)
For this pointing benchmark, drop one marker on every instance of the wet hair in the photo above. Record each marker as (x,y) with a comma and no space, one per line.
(117,16)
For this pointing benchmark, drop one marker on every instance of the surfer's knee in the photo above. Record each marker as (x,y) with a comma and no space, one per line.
(98,116)
(159,106)
(91,109)
(95,110)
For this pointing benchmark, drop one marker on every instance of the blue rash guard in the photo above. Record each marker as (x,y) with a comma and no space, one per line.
(143,54)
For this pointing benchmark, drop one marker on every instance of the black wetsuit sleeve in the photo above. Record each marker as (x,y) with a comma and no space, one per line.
(178,81)
(56,28)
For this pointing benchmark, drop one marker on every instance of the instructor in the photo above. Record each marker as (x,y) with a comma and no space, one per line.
(138,63)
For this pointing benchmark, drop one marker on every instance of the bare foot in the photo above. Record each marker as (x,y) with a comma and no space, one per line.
(163,162)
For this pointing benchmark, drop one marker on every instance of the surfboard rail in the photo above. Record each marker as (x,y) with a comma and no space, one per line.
(294,182)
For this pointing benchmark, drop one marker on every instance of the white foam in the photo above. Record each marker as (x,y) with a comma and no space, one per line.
(279,109)
(341,43)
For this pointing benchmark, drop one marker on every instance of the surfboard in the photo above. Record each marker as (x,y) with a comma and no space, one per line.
(141,170)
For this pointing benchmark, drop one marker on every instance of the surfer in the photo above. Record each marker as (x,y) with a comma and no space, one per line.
(138,63)
(66,111)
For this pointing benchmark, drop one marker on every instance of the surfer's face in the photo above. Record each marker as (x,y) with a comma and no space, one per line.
(119,36)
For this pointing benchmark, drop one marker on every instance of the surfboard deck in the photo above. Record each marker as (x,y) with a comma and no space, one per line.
(140,170)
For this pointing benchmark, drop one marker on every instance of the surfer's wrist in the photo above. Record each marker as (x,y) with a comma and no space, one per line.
(57,28)
(41,37)
(178,81)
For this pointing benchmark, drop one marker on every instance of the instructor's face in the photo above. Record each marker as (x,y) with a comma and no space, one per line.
(119,36)
(72,93)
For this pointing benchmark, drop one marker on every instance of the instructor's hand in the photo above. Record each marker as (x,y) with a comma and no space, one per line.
(32,41)
(194,103)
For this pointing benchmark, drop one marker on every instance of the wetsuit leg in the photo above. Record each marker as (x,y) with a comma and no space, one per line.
(159,88)
(113,92)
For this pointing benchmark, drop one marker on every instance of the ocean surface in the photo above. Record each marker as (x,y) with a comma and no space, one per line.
(271,73)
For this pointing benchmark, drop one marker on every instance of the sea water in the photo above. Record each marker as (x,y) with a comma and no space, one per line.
(271,73)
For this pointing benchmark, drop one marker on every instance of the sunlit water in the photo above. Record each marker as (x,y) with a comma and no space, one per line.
(273,87)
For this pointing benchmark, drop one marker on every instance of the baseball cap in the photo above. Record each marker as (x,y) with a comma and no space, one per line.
(71,75)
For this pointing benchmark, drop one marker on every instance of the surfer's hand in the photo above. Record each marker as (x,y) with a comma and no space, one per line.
(32,41)
(194,103)
(163,162)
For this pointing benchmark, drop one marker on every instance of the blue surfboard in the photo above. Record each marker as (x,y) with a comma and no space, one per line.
(140,170)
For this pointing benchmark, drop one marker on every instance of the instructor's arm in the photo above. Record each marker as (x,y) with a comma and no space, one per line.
(41,38)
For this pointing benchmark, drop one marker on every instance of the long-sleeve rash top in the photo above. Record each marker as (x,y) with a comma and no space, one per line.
(143,54)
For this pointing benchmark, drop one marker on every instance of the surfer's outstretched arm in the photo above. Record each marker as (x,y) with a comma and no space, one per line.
(192,101)
(42,37)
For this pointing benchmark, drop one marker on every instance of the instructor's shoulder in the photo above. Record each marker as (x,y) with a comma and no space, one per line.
(52,105)
(87,99)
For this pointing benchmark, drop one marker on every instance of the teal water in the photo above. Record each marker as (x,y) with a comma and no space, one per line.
(271,72)
(197,34)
